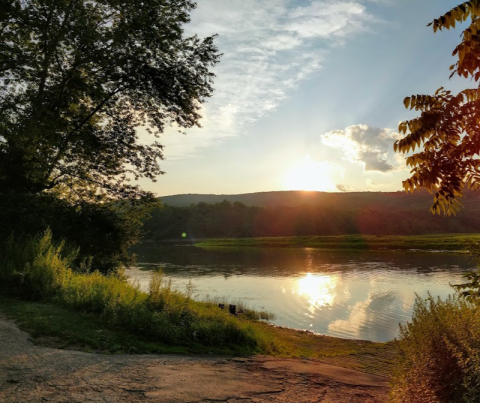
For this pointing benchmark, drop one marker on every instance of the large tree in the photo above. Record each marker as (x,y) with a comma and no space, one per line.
(78,79)
(447,132)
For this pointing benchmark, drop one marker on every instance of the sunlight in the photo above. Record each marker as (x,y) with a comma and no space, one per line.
(318,289)
(309,174)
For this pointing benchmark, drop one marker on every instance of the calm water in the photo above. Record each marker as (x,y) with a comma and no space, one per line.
(362,295)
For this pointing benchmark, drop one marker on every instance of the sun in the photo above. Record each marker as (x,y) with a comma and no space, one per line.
(310,175)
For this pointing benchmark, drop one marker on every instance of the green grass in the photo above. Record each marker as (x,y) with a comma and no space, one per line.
(37,268)
(447,242)
(54,326)
(93,312)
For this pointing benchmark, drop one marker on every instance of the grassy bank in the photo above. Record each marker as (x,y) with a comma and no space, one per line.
(39,269)
(445,242)
(51,325)
(76,308)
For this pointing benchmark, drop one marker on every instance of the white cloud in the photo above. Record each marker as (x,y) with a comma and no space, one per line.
(371,146)
(268,48)
(323,19)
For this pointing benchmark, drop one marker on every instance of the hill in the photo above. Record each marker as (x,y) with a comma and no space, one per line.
(421,200)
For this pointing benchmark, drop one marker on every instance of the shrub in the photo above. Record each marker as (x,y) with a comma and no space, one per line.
(40,268)
(439,353)
(103,230)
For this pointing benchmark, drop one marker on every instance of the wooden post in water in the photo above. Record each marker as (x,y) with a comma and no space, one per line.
(232,309)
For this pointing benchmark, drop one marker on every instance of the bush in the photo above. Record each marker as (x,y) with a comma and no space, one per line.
(439,353)
(36,265)
(41,269)
(105,231)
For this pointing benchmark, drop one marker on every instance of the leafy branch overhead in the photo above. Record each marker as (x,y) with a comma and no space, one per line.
(443,143)
(77,80)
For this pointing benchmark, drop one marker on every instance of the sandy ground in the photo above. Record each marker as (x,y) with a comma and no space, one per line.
(30,373)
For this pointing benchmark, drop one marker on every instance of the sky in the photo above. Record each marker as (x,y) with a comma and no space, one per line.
(308,95)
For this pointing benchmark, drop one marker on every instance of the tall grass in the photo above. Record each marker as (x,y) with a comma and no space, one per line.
(39,268)
(439,353)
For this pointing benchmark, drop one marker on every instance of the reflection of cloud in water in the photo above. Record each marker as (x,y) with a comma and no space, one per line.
(370,315)
(408,299)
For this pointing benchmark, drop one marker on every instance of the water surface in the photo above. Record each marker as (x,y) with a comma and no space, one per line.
(362,295)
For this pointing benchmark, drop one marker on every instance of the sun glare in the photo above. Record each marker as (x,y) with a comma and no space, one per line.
(310,175)
(319,290)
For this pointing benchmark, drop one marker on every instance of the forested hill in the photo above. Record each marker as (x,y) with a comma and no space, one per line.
(307,213)
(420,200)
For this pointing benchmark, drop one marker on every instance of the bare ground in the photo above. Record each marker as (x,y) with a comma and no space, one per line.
(32,373)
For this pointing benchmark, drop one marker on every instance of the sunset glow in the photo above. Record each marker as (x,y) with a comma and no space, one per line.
(310,175)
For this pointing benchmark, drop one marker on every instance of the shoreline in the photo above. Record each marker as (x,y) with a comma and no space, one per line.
(435,243)
(56,327)
(64,375)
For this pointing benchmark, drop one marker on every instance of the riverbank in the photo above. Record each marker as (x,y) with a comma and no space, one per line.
(34,373)
(54,326)
(461,243)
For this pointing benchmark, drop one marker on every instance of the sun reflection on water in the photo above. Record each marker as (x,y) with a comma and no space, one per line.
(319,290)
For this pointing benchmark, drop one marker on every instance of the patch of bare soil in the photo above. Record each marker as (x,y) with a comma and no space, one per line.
(30,373)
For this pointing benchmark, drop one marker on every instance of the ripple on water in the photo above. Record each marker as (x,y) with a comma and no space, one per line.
(359,295)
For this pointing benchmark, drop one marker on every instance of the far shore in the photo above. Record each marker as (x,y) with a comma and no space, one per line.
(459,243)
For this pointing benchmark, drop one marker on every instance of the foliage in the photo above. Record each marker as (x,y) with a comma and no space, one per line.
(38,268)
(77,80)
(439,354)
(470,289)
(448,128)
(236,220)
(103,230)
(37,264)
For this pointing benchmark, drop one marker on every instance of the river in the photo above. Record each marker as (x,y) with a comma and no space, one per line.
(360,295)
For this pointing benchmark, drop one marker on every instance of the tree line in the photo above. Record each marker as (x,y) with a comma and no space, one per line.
(237,220)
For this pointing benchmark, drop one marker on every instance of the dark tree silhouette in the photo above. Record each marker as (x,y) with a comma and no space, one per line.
(77,78)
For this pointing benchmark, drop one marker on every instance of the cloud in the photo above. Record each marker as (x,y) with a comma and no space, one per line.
(341,188)
(323,19)
(268,48)
(371,146)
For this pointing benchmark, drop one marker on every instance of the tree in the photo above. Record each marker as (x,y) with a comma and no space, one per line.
(77,80)
(448,128)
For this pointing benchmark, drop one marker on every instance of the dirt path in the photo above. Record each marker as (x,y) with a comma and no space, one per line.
(30,373)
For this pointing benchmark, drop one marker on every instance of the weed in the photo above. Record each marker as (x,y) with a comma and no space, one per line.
(439,354)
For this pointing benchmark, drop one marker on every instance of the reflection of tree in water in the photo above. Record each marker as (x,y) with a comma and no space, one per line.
(195,261)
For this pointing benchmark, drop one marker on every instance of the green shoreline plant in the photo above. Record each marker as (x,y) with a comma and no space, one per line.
(37,268)
(439,353)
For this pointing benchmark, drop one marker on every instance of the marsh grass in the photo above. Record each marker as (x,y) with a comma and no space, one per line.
(439,354)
